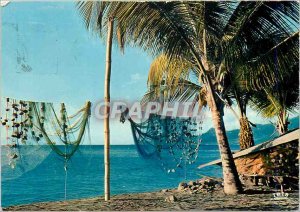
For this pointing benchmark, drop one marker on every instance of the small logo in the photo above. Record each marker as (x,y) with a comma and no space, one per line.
(280,196)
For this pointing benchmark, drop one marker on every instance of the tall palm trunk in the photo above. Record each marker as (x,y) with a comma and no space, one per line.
(246,135)
(282,123)
(107,109)
(232,184)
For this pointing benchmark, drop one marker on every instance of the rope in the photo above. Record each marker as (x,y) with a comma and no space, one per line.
(66,176)
(66,172)
(6,124)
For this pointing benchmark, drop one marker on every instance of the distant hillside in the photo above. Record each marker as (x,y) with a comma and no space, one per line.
(262,132)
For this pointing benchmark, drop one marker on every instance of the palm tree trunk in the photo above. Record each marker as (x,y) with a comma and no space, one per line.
(107,109)
(246,135)
(282,123)
(232,184)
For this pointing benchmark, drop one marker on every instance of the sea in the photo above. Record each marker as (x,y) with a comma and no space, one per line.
(40,175)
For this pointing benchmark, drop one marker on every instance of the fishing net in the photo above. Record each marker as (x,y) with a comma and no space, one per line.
(29,157)
(28,124)
(43,119)
(173,142)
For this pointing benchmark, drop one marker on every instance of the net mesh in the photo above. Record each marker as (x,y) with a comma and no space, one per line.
(173,142)
(28,124)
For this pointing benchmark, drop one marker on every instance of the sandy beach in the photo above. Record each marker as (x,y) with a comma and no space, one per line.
(156,201)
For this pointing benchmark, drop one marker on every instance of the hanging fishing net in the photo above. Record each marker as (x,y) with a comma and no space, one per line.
(172,142)
(17,161)
(30,126)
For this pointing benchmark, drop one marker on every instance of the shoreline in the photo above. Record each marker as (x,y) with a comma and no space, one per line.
(166,200)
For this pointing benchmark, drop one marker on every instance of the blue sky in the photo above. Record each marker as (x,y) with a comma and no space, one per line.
(48,55)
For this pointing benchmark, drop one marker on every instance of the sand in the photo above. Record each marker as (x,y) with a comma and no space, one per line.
(155,201)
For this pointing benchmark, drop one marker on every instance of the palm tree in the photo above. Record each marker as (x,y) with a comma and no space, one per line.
(211,34)
(241,97)
(181,88)
(279,100)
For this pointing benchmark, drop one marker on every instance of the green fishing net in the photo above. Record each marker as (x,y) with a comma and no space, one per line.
(36,124)
(172,142)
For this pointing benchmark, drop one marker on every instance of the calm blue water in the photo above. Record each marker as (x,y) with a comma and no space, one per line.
(40,174)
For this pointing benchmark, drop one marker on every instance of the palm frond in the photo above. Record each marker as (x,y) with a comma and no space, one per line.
(93,13)
(283,96)
(168,70)
(255,28)
(272,66)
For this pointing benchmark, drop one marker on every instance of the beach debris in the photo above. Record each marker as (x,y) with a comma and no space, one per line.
(171,198)
(206,184)
(182,186)
(192,183)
